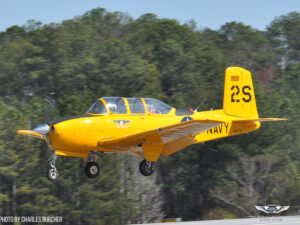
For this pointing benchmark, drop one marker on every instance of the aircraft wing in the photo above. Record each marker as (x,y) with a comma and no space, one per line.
(162,135)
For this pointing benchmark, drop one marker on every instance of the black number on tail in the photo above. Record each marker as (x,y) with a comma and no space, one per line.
(236,92)
(233,99)
(247,94)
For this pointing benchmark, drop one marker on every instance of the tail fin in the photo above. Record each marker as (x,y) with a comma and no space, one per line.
(239,98)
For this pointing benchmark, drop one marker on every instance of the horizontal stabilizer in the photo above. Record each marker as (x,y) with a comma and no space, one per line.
(261,120)
(30,133)
(270,119)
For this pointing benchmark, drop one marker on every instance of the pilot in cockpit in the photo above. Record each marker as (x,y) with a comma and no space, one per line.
(112,107)
(151,109)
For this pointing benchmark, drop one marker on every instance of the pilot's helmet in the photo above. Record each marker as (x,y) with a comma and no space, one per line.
(112,107)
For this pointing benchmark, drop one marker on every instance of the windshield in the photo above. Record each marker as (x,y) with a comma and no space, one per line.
(155,106)
(115,105)
(97,108)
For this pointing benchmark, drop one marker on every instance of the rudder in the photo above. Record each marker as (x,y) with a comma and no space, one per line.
(239,98)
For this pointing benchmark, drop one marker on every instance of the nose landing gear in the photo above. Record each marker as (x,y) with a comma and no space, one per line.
(52,173)
(146,167)
(92,168)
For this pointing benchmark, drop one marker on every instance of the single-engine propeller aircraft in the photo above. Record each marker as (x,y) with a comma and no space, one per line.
(147,127)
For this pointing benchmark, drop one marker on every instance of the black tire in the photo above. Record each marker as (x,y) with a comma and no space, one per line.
(92,170)
(52,174)
(146,168)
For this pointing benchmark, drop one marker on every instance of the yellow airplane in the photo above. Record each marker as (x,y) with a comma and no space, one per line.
(147,127)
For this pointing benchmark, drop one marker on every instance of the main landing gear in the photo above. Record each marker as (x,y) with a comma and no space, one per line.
(92,168)
(52,173)
(146,167)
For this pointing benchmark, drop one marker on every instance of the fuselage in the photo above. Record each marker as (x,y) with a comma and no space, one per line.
(80,135)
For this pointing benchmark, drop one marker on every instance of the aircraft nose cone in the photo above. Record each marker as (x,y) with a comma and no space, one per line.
(42,129)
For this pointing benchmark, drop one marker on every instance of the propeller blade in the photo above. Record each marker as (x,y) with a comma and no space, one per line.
(49,108)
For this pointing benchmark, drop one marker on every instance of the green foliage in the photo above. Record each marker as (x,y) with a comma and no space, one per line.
(219,214)
(284,34)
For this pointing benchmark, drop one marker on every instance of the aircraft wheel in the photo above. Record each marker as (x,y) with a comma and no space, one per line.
(92,169)
(146,168)
(52,174)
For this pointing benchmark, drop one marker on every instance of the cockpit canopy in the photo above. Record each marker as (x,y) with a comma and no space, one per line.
(119,105)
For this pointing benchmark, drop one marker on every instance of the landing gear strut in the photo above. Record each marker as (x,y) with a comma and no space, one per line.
(146,167)
(92,168)
(52,172)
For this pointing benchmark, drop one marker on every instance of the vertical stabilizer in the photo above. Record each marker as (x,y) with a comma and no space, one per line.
(239,98)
